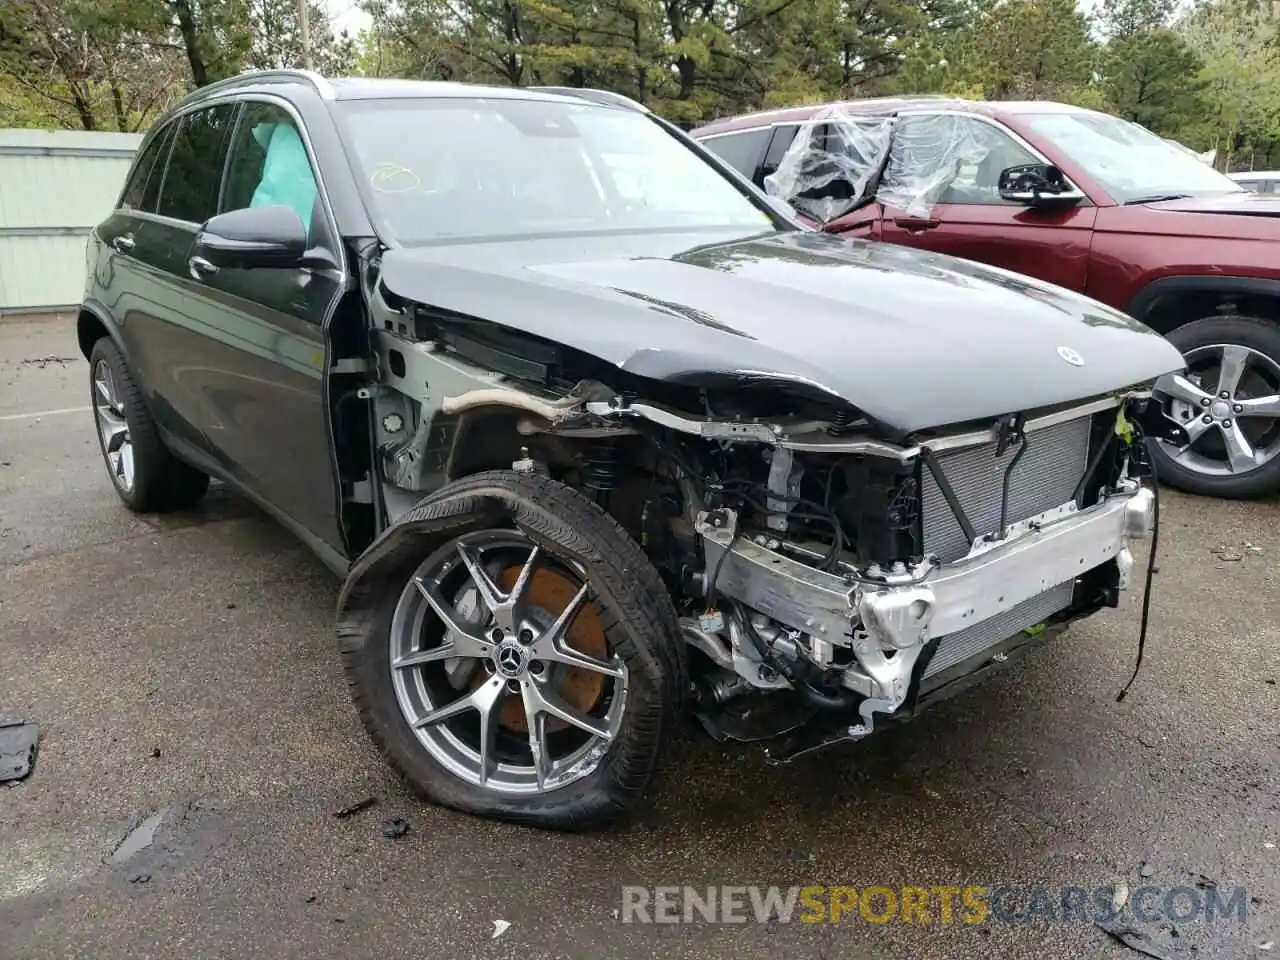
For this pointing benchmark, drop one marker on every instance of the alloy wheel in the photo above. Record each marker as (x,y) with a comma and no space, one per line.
(1228,401)
(501,665)
(113,428)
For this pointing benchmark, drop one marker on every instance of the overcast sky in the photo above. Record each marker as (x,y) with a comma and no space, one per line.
(346,15)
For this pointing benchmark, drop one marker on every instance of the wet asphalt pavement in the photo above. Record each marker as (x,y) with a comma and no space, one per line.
(186,666)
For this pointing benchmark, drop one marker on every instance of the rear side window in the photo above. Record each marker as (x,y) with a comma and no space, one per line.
(782,137)
(194,176)
(740,150)
(144,182)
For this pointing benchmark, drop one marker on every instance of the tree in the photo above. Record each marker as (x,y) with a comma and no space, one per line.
(1124,19)
(1030,49)
(95,64)
(1153,78)
(1237,40)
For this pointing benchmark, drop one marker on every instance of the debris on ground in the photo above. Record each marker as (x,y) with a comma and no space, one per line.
(395,828)
(140,878)
(357,807)
(499,928)
(802,856)
(310,899)
(1146,871)
(43,362)
(1205,883)
(1266,945)
(155,753)
(18,741)
(1133,938)
(1120,896)
(1268,845)
(1234,553)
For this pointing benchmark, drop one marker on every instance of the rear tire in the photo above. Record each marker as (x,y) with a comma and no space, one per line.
(148,478)
(446,758)
(1228,431)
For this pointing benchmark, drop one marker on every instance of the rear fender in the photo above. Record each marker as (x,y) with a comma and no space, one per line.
(93,318)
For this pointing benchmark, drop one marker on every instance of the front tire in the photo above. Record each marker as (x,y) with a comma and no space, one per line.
(1229,402)
(148,478)
(523,663)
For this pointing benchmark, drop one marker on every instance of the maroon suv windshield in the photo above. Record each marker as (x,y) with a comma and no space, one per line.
(1128,161)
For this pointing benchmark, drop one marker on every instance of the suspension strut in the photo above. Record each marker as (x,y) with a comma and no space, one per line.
(601,470)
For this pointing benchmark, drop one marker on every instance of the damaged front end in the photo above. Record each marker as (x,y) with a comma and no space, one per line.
(941,560)
(830,574)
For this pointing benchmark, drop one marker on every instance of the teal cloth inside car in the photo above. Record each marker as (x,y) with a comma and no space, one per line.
(287,180)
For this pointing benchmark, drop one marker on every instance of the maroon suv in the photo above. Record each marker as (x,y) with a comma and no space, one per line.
(1074,197)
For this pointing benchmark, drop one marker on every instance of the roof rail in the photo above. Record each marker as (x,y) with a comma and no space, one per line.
(321,85)
(606,97)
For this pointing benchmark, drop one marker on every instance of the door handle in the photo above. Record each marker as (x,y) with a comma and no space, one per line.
(917,224)
(200,268)
(123,243)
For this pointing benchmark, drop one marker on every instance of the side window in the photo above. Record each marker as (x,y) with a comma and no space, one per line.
(945,158)
(740,150)
(782,137)
(269,166)
(194,175)
(144,181)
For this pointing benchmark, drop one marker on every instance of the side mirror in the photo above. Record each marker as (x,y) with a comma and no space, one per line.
(253,237)
(1039,185)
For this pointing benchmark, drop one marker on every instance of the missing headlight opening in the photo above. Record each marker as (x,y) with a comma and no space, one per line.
(829,575)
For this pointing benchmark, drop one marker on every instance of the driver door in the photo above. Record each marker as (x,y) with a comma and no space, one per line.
(956,159)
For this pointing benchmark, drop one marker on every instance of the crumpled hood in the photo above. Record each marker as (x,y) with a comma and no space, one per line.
(912,339)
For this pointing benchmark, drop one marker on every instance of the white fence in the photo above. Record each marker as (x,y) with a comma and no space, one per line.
(54,187)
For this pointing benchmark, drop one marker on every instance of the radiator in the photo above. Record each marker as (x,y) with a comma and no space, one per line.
(957,647)
(1045,477)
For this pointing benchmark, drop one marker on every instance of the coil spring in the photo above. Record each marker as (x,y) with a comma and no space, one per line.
(601,470)
(840,419)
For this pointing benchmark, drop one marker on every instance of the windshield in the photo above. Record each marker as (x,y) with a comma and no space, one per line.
(1126,160)
(444,170)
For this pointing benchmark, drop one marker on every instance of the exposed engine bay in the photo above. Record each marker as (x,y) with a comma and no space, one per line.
(829,575)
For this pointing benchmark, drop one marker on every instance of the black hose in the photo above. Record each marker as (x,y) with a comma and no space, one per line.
(1151,565)
(841,700)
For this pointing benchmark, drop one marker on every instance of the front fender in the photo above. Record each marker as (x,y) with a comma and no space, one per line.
(436,518)
(1146,302)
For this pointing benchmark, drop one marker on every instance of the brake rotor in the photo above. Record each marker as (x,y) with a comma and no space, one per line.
(581,689)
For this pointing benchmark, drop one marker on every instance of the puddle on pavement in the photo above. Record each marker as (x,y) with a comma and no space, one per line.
(139,838)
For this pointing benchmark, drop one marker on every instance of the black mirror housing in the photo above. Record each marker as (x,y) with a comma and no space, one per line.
(253,237)
(1040,185)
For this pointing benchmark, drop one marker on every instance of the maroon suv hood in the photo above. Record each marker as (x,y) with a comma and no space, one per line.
(1220,216)
(1244,204)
